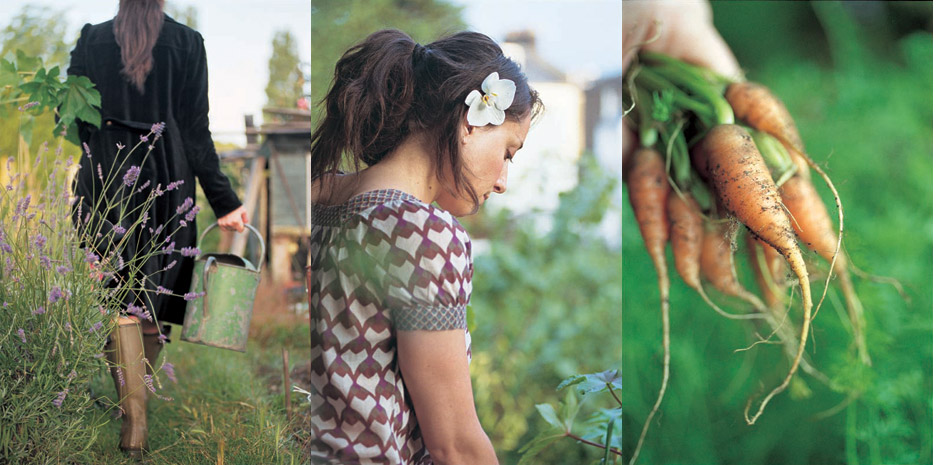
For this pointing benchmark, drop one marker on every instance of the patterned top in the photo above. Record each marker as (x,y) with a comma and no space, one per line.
(381,262)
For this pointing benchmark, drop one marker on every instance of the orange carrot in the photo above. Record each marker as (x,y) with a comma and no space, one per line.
(686,238)
(648,189)
(814,227)
(756,105)
(718,266)
(744,187)
(769,269)
(760,108)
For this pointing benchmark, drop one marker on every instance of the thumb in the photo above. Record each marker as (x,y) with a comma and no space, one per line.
(244,217)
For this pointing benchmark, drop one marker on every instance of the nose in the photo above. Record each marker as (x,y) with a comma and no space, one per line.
(500,186)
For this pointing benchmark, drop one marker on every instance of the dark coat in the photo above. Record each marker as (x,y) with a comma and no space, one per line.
(176,93)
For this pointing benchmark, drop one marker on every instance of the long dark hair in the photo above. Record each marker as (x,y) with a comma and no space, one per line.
(388,87)
(136,29)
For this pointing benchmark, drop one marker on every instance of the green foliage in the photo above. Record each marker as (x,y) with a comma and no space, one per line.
(28,86)
(547,306)
(869,125)
(337,26)
(286,78)
(36,32)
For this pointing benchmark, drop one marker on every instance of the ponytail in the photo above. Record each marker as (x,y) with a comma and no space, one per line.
(388,87)
(367,105)
(136,29)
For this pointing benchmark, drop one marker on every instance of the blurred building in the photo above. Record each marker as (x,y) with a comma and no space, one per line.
(579,116)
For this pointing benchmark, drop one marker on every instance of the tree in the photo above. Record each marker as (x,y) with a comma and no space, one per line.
(336,26)
(187,15)
(284,88)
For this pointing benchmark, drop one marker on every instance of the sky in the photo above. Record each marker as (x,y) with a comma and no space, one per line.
(238,41)
(580,37)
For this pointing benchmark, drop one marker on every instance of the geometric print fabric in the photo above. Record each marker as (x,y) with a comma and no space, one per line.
(382,262)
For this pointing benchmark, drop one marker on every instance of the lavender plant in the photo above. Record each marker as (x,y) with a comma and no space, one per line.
(62,284)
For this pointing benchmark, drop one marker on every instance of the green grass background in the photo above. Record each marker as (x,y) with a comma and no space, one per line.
(857,79)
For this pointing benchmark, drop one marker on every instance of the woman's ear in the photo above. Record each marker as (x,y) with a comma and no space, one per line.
(465,130)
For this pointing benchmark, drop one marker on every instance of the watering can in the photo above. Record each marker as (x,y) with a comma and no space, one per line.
(220,317)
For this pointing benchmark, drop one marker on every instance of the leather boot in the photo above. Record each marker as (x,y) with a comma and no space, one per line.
(125,352)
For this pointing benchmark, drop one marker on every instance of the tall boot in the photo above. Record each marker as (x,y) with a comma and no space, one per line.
(152,347)
(125,352)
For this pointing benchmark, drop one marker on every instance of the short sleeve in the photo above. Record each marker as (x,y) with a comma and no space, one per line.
(423,261)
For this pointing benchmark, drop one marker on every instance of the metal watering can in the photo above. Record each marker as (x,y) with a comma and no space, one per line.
(221,317)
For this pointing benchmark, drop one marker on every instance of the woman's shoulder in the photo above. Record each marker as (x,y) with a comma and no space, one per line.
(398,212)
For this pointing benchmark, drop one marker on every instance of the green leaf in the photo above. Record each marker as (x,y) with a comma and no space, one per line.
(571,381)
(78,101)
(595,382)
(537,445)
(570,408)
(549,414)
(25,62)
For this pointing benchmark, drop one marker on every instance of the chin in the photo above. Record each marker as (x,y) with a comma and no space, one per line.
(460,208)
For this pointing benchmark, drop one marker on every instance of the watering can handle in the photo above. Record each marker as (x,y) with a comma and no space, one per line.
(251,228)
(205,273)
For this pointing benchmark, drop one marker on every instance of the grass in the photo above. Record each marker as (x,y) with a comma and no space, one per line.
(227,406)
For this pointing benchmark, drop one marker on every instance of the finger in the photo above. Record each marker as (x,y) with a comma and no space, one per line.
(244,217)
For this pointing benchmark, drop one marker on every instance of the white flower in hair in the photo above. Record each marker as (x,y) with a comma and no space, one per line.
(489,108)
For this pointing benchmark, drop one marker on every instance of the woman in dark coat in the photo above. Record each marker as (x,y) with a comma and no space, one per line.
(149,70)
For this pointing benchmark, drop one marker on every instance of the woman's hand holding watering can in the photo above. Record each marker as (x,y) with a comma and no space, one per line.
(235,220)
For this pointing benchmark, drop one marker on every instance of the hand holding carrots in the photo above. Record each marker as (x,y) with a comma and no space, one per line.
(731,158)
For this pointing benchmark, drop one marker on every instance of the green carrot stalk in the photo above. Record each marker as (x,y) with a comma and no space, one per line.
(653,81)
(775,155)
(699,87)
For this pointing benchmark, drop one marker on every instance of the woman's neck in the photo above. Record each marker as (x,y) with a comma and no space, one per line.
(408,168)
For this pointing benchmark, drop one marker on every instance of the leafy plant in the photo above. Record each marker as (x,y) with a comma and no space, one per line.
(603,425)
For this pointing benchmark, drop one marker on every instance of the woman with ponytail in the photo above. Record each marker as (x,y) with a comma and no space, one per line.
(413,136)
(152,76)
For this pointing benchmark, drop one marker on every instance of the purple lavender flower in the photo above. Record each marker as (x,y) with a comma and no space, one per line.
(61,398)
(22,205)
(174,185)
(62,269)
(119,230)
(169,248)
(162,290)
(86,149)
(144,186)
(183,223)
(120,377)
(100,173)
(27,106)
(186,205)
(130,178)
(91,257)
(158,128)
(45,262)
(144,138)
(120,146)
(170,265)
(39,241)
(22,335)
(99,355)
(190,216)
(72,375)
(6,247)
(190,296)
(67,326)
(190,251)
(95,327)
(162,338)
(39,311)
(55,294)
(170,371)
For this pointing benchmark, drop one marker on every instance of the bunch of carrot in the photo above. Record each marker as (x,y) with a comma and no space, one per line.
(716,156)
